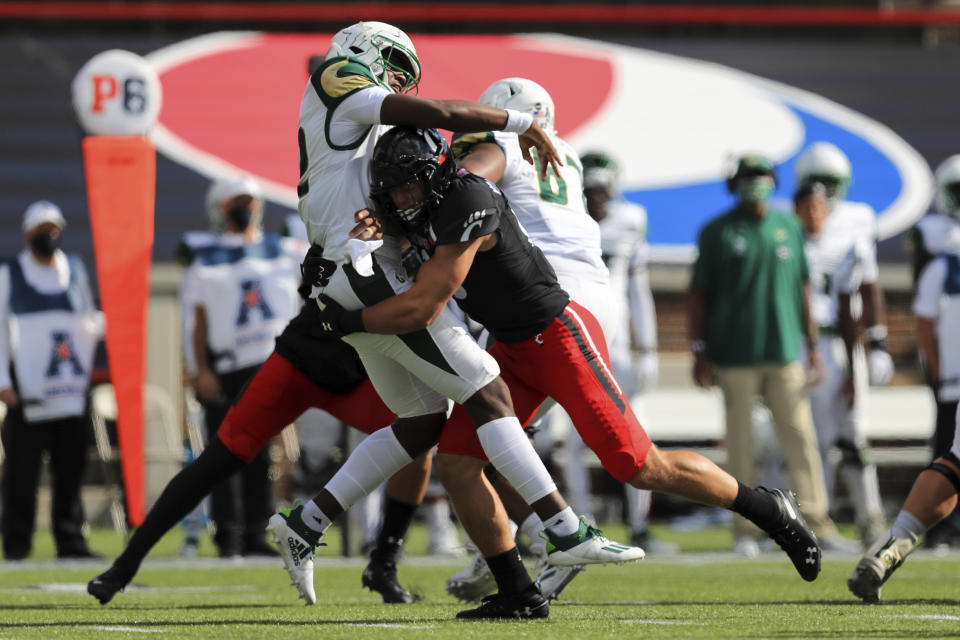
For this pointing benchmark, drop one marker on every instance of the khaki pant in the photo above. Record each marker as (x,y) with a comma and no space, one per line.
(781,388)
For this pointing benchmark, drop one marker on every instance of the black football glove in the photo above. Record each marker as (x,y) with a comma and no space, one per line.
(335,321)
(315,271)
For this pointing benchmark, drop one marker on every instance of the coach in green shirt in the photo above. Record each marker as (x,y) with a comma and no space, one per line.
(748,318)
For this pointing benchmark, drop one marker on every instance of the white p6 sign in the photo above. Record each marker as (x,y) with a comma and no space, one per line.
(117,93)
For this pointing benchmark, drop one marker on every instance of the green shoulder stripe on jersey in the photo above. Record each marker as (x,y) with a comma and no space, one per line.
(338,78)
(462,142)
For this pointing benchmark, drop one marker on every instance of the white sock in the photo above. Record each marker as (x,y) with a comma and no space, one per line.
(373,461)
(563,523)
(638,507)
(314,518)
(510,451)
(907,526)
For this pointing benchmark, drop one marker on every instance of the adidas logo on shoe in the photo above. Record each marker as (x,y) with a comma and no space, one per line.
(297,549)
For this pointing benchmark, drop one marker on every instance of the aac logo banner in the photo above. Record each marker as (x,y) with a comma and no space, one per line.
(672,123)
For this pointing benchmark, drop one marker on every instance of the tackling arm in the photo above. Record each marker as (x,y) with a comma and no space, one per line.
(487,160)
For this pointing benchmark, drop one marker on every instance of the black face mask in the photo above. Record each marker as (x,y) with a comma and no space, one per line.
(44,244)
(240,216)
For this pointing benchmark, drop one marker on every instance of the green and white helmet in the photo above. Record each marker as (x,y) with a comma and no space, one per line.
(380,46)
(600,171)
(947,178)
(521,94)
(825,163)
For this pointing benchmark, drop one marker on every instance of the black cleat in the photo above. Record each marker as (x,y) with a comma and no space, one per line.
(528,604)
(381,576)
(794,536)
(107,584)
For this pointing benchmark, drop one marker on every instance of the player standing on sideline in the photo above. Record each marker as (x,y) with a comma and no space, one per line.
(935,234)
(633,349)
(551,210)
(841,264)
(546,344)
(934,493)
(347,102)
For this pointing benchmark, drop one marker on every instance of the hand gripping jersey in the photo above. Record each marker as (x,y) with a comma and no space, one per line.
(551,210)
(511,289)
(339,126)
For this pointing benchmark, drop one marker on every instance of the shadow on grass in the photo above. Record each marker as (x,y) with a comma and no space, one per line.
(940,602)
(376,622)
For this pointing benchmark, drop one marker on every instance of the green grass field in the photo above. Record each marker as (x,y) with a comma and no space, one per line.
(695,595)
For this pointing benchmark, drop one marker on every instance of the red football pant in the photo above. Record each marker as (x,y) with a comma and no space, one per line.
(568,361)
(279,393)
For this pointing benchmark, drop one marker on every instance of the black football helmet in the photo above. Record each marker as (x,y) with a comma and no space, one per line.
(405,154)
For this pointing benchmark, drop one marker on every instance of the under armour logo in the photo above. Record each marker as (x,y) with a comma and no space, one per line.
(523,613)
(811,555)
(327,327)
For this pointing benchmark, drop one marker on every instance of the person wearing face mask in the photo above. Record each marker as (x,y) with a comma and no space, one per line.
(237,295)
(749,316)
(49,327)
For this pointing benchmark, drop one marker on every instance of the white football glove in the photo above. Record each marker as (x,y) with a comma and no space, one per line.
(880,367)
(646,366)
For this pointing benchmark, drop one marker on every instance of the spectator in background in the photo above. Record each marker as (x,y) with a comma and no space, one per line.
(238,294)
(633,343)
(749,313)
(842,263)
(49,327)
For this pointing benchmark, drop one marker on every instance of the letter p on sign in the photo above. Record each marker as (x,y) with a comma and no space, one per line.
(117,93)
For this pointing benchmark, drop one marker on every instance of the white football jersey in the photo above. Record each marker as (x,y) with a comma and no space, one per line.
(840,259)
(939,233)
(339,126)
(551,211)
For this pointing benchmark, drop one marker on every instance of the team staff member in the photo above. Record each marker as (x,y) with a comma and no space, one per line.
(49,327)
(238,294)
(749,313)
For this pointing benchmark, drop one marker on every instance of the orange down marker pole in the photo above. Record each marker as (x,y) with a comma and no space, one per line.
(121,184)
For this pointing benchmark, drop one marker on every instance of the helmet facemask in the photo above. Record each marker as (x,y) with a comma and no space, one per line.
(951,199)
(835,186)
(398,58)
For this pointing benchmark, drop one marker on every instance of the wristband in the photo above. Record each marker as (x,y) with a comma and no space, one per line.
(352,321)
(876,332)
(517,121)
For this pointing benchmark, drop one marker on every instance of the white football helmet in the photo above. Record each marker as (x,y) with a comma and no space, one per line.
(947,179)
(224,189)
(380,46)
(825,163)
(523,95)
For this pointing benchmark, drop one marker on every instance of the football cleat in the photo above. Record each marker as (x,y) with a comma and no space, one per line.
(296,543)
(587,545)
(107,584)
(527,604)
(794,536)
(380,576)
(473,582)
(551,580)
(877,566)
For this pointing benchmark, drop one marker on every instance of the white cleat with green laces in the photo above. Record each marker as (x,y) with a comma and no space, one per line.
(588,546)
(877,566)
(296,543)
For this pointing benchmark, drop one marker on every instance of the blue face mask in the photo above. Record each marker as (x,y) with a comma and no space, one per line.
(755,190)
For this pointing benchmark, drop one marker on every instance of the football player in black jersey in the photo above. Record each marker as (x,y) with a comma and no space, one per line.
(473,250)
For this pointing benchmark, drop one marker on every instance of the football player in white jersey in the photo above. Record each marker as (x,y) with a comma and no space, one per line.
(933,496)
(633,344)
(347,103)
(840,264)
(550,208)
(823,162)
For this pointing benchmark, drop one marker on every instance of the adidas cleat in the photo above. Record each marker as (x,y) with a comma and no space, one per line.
(528,604)
(794,536)
(587,546)
(473,582)
(876,567)
(107,584)
(551,580)
(296,543)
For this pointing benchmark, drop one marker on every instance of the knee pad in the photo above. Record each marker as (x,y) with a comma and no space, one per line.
(946,472)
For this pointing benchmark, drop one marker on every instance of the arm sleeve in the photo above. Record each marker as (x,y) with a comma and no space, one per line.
(5,381)
(351,118)
(929,288)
